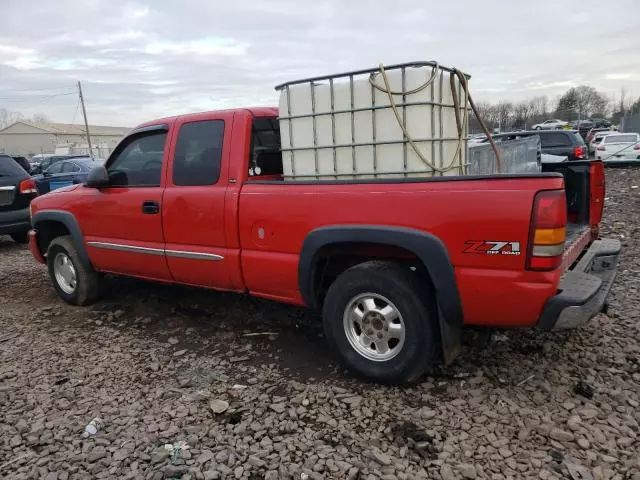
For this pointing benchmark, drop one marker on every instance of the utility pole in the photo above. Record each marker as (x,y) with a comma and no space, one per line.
(86,123)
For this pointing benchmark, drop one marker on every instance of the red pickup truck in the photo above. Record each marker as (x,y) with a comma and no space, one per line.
(396,266)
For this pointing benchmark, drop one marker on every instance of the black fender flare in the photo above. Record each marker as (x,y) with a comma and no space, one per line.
(431,251)
(70,222)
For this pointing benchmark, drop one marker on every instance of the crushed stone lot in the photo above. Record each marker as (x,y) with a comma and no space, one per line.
(252,389)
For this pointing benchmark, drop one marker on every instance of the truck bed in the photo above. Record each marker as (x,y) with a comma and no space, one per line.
(462,212)
(574,231)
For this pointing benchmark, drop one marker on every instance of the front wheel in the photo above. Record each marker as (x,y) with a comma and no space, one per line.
(75,282)
(382,321)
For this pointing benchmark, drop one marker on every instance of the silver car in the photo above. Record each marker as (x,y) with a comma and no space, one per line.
(552,124)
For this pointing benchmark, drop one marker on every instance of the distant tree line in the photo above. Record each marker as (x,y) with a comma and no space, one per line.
(8,117)
(577,103)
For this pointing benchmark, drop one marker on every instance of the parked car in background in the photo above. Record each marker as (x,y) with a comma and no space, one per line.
(596,139)
(619,146)
(601,123)
(592,133)
(564,143)
(64,173)
(476,138)
(567,143)
(582,127)
(49,160)
(17,189)
(552,124)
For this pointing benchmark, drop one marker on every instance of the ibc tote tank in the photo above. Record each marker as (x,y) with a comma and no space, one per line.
(345,126)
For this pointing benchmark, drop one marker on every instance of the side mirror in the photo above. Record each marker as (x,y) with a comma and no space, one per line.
(98,177)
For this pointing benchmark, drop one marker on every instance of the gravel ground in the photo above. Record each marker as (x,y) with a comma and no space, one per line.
(161,364)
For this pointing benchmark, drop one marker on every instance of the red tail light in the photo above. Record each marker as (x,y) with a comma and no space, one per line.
(637,146)
(579,153)
(548,231)
(601,148)
(28,186)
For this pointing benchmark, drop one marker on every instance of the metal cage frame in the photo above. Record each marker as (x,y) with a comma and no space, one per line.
(436,100)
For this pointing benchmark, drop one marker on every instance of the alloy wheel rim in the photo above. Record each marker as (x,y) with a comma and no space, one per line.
(374,327)
(65,273)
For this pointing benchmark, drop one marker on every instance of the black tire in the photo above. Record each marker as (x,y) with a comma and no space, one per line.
(87,280)
(414,301)
(22,237)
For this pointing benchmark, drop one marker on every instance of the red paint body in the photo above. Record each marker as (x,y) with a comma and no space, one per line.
(259,228)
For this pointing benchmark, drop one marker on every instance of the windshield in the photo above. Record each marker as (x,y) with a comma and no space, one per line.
(631,138)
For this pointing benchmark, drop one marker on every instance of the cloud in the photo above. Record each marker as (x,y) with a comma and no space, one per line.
(202,46)
(622,76)
(144,59)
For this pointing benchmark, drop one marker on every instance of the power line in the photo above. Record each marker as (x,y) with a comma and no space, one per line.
(76,112)
(48,89)
(49,98)
(25,97)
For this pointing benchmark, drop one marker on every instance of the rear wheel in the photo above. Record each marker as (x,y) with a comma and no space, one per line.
(22,237)
(75,282)
(382,321)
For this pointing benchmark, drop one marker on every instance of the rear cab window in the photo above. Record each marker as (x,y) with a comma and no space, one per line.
(265,160)
(198,153)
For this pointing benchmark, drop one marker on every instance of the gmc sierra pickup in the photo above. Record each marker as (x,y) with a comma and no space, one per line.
(395,266)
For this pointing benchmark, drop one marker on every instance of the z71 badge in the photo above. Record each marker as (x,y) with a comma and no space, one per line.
(487,247)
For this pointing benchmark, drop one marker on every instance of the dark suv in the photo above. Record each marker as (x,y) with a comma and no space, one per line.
(17,189)
(567,143)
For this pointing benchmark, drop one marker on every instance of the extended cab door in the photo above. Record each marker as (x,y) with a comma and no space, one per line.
(194,203)
(122,223)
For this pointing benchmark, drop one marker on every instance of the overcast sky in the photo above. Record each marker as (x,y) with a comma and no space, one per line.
(139,60)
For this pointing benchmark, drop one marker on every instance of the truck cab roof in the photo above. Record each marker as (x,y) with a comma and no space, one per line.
(253,111)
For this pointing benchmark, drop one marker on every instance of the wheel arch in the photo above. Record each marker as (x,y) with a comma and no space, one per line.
(427,248)
(50,224)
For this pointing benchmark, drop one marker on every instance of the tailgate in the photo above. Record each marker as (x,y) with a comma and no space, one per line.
(585,190)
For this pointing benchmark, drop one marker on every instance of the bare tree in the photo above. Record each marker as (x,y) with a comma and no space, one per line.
(40,118)
(623,99)
(505,114)
(8,117)
(522,112)
(539,106)
(485,112)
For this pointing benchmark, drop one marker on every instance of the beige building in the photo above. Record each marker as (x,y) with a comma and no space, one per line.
(25,138)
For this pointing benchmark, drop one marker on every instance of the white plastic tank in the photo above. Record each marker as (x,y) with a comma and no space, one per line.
(343,127)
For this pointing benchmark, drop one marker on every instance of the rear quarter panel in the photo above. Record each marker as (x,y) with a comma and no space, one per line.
(495,289)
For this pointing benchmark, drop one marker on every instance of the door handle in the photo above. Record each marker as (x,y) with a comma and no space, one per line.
(150,207)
